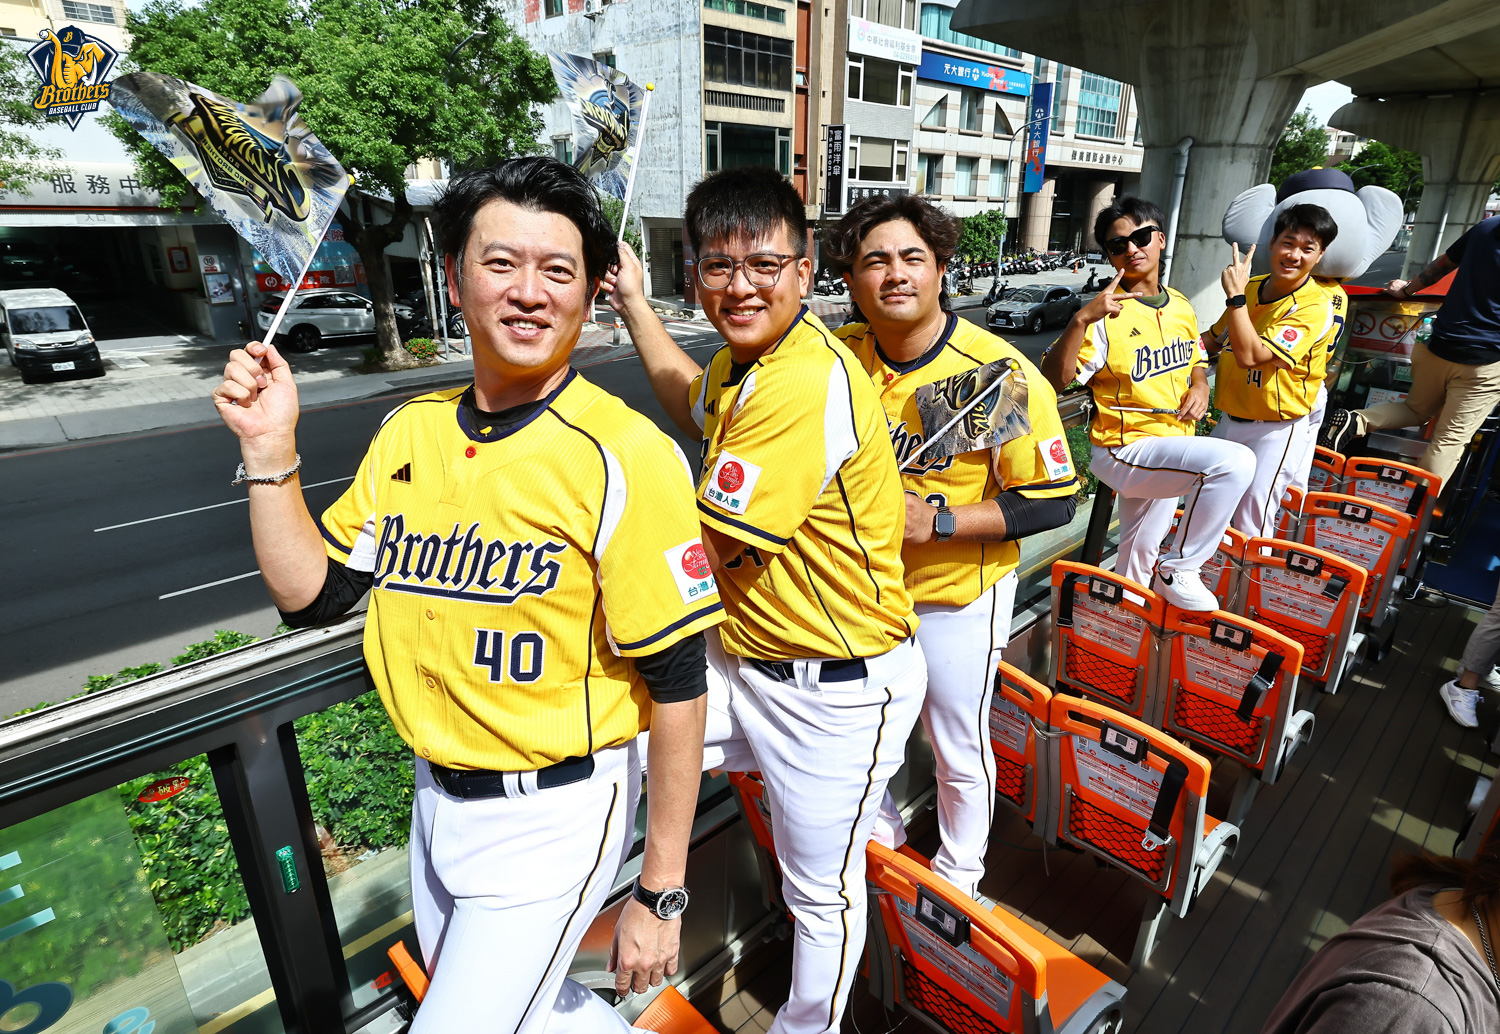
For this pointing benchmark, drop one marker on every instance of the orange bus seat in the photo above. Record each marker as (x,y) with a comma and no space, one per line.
(670,1013)
(1018,708)
(1310,595)
(1327,472)
(750,792)
(1104,637)
(1220,575)
(1372,535)
(1289,513)
(1408,488)
(409,969)
(964,969)
(1135,797)
(1232,687)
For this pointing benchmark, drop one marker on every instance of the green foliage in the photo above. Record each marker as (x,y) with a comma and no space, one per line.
(1303,145)
(359,774)
(1394,168)
(614,211)
(1082,451)
(223,640)
(423,347)
(22,159)
(980,238)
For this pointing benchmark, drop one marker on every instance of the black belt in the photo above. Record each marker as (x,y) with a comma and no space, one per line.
(471,784)
(1238,419)
(831,671)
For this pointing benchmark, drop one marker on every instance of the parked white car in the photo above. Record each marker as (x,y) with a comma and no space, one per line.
(317,314)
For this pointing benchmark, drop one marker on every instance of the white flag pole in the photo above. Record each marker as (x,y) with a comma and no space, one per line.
(639,141)
(286,303)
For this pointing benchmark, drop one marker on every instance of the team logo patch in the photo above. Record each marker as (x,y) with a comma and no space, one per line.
(1289,336)
(1054,453)
(731,483)
(73,67)
(691,571)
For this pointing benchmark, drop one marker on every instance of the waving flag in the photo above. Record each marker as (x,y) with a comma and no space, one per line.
(608,113)
(980,408)
(256,164)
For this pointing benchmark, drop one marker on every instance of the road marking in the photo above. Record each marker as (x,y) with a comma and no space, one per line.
(208,585)
(210,506)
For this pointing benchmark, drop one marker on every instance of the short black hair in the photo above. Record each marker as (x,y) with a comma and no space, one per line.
(1145,213)
(1307,217)
(752,202)
(936,227)
(538,183)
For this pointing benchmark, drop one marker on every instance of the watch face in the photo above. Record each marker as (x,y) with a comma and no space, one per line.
(945,524)
(671,904)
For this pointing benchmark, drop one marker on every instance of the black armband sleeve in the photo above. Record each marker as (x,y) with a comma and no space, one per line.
(1025,516)
(342,589)
(678,673)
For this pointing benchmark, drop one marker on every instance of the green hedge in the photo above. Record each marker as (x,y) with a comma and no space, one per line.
(359,782)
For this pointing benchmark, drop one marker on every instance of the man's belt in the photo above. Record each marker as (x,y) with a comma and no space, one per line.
(831,671)
(478,783)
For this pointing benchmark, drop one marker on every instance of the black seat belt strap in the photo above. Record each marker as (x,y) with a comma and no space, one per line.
(1065,599)
(1159,829)
(1261,681)
(1335,586)
(1418,497)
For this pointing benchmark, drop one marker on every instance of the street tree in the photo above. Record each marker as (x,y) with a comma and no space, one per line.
(1393,168)
(382,88)
(22,159)
(981,235)
(1303,145)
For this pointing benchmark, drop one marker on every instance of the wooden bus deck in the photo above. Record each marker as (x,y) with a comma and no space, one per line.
(1387,773)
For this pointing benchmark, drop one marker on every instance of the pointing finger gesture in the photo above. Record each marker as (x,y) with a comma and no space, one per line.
(1107,303)
(1236,276)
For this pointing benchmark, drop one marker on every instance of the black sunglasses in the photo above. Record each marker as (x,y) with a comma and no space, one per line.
(1140,238)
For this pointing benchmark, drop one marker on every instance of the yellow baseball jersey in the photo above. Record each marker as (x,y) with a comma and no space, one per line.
(1037,464)
(798,466)
(517,572)
(1141,359)
(1301,330)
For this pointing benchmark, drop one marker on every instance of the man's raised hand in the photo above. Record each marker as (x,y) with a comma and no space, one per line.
(627,283)
(257,398)
(1107,303)
(1236,275)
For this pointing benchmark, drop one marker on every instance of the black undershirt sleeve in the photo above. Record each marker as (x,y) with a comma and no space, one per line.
(678,673)
(1025,516)
(342,589)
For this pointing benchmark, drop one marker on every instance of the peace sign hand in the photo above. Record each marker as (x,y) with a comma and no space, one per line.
(1107,302)
(1236,276)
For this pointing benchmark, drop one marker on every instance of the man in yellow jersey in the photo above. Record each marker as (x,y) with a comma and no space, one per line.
(1276,334)
(820,680)
(539,597)
(1136,347)
(964,513)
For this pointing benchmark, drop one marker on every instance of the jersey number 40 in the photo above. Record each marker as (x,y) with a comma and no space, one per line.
(522,662)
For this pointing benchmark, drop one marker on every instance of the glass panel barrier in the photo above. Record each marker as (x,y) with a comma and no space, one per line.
(125,911)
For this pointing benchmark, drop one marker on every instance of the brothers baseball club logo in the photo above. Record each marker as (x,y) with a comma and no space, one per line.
(73,67)
(731,477)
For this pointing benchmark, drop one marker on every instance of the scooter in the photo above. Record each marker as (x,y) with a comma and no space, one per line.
(826,283)
(996,292)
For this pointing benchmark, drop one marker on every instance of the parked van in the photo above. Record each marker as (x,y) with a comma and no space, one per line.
(46,336)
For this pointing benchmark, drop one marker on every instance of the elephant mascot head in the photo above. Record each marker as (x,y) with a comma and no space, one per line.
(1368,219)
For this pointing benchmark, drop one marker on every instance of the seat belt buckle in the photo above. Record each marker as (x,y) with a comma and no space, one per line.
(1151,840)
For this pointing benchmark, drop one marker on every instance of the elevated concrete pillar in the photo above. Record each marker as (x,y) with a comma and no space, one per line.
(1458,137)
(1036,228)
(1101,193)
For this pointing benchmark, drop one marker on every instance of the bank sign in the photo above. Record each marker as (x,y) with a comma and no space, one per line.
(876,40)
(944,68)
(1040,117)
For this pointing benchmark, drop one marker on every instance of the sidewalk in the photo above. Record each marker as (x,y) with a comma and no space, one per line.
(165,381)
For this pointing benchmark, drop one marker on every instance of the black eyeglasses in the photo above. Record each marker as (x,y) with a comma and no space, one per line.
(763,269)
(1140,238)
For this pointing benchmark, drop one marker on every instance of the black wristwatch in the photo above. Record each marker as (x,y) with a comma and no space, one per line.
(667,904)
(944,524)
(1237,302)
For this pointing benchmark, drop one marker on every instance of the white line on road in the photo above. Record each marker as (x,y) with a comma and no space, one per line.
(208,585)
(210,506)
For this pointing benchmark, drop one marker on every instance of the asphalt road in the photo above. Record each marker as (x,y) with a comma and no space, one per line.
(124,551)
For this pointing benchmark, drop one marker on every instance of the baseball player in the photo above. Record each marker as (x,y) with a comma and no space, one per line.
(1273,343)
(1136,346)
(819,680)
(964,513)
(539,594)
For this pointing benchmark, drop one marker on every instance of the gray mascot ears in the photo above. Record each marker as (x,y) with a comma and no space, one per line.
(1368,220)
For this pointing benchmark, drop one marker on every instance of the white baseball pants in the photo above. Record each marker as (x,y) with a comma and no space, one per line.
(826,751)
(1150,475)
(962,646)
(1283,452)
(503,890)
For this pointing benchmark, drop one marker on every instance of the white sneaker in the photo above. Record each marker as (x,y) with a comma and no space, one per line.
(1183,589)
(1461,703)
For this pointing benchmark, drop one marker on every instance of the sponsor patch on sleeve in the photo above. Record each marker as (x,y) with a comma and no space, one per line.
(1287,337)
(731,483)
(1055,461)
(691,571)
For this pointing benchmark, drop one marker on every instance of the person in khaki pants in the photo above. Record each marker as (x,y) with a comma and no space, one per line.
(1461,693)
(1455,376)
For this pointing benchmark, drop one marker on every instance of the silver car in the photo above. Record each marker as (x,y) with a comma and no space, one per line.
(317,314)
(1033,307)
